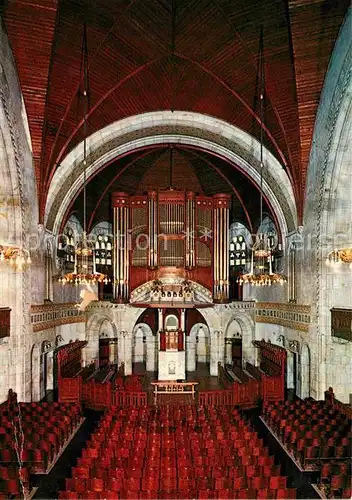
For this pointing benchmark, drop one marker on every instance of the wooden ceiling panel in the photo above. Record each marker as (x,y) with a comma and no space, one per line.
(315,25)
(214,70)
(31,28)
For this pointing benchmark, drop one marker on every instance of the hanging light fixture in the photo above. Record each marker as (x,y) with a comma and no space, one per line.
(18,257)
(262,254)
(84,257)
(340,256)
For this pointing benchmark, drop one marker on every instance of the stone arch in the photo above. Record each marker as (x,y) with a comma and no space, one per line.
(144,346)
(198,345)
(93,332)
(107,329)
(247,330)
(108,340)
(181,127)
(233,332)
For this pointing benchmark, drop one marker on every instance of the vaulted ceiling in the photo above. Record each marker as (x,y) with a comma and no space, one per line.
(191,170)
(213,71)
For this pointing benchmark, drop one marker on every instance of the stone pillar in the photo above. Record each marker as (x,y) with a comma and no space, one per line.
(221,248)
(126,338)
(113,352)
(217,352)
(228,352)
(120,204)
(151,354)
(92,348)
(50,370)
(191,355)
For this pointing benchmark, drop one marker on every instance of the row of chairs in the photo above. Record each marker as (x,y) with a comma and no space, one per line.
(14,482)
(282,494)
(134,456)
(312,430)
(37,432)
(335,480)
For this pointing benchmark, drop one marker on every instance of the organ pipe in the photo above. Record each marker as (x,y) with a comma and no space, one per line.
(190,230)
(220,250)
(152,230)
(121,246)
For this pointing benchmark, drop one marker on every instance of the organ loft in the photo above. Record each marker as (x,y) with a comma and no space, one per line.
(175,249)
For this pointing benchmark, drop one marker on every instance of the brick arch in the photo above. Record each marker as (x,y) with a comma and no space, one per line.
(192,129)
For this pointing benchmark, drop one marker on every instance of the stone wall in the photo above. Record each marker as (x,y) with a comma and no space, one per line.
(18,223)
(328,219)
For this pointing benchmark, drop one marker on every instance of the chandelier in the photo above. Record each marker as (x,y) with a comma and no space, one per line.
(340,256)
(262,254)
(84,272)
(17,257)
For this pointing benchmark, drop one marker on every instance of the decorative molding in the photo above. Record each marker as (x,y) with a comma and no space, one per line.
(171,290)
(325,129)
(46,316)
(295,316)
(163,127)
(243,305)
(6,101)
(102,304)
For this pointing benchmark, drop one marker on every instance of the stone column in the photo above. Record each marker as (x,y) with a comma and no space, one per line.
(151,354)
(128,353)
(190,355)
(50,370)
(217,352)
(228,352)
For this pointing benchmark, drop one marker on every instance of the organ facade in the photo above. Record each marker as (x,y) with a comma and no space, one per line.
(171,233)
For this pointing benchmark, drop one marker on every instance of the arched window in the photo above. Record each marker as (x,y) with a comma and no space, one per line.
(103,244)
(268,228)
(239,243)
(67,241)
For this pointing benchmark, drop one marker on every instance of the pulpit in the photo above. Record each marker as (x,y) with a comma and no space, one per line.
(172,357)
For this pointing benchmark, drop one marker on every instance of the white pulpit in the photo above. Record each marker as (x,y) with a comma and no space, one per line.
(172,365)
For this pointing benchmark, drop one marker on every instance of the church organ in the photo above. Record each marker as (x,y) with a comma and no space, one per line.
(171,232)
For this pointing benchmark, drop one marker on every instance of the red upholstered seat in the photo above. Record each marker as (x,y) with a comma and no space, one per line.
(149,494)
(277,482)
(266,493)
(246,494)
(285,493)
